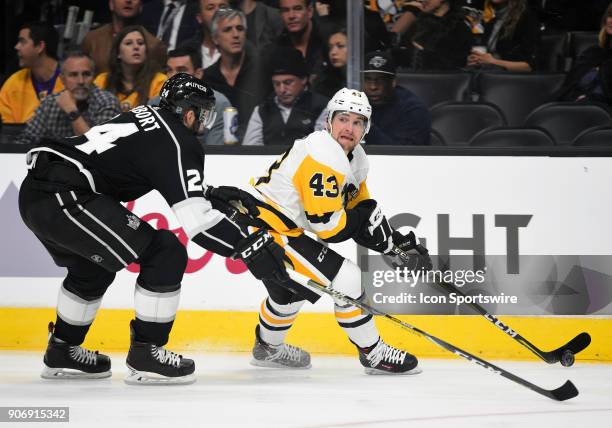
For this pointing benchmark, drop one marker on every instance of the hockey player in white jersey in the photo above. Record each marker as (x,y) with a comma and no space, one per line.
(319,185)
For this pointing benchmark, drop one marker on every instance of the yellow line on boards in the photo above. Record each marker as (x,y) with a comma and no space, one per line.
(26,329)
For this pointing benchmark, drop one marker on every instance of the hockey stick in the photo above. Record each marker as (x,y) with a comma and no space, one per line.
(564,354)
(564,392)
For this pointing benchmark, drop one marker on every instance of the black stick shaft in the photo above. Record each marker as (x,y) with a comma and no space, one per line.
(575,345)
(565,392)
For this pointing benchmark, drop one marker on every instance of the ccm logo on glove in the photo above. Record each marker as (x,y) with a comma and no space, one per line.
(256,245)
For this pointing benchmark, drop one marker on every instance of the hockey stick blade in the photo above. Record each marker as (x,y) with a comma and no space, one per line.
(575,345)
(565,392)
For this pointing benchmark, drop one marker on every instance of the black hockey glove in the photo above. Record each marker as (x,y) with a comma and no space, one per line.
(263,256)
(235,197)
(412,256)
(238,205)
(375,232)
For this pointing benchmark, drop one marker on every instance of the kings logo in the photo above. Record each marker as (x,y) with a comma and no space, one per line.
(133,221)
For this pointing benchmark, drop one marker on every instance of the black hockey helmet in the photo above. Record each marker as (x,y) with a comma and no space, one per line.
(184,92)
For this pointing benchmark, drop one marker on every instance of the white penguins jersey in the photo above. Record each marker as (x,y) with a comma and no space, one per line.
(311,186)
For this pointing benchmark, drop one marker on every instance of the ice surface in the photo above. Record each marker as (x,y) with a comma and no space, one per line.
(334,393)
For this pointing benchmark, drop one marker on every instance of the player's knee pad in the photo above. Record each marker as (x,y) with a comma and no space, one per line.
(348,280)
(88,285)
(163,263)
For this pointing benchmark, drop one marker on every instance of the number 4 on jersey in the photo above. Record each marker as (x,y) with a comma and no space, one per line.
(101,138)
(318,187)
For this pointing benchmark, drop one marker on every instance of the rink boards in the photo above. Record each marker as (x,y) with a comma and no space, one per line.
(564,202)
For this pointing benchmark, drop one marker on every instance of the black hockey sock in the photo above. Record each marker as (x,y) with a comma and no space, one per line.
(70,333)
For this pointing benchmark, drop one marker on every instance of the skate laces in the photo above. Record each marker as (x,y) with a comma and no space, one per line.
(82,355)
(166,357)
(287,352)
(384,352)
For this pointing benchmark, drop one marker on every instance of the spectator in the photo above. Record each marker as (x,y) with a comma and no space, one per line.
(292,111)
(172,21)
(511,36)
(398,116)
(97,43)
(333,76)
(22,92)
(331,15)
(237,74)
(438,36)
(75,109)
(203,39)
(132,77)
(301,33)
(590,78)
(189,61)
(264,23)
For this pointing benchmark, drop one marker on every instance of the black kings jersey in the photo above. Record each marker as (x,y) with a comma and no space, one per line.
(144,149)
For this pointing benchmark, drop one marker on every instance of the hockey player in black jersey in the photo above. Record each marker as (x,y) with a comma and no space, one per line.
(71,199)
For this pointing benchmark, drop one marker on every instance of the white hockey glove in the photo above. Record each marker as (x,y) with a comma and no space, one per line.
(375,233)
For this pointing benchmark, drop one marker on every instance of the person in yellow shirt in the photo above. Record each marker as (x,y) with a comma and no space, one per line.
(133,76)
(22,92)
(319,186)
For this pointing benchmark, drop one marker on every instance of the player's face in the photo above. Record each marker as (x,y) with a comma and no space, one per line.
(179,64)
(27,52)
(231,35)
(347,128)
(125,8)
(337,50)
(77,76)
(295,15)
(288,87)
(208,9)
(378,87)
(132,49)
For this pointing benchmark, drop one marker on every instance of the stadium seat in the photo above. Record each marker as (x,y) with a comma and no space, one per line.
(512,137)
(599,136)
(458,122)
(434,88)
(551,52)
(435,139)
(579,41)
(517,94)
(566,120)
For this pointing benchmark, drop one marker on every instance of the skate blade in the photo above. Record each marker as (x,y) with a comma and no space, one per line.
(64,373)
(136,377)
(275,365)
(376,372)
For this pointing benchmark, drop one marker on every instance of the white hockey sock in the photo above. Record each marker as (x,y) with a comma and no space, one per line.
(276,319)
(359,326)
(75,310)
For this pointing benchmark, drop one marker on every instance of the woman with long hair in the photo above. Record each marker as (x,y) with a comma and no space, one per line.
(510,36)
(133,77)
(590,78)
(333,76)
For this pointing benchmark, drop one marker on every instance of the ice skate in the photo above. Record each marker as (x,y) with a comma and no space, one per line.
(278,356)
(383,359)
(149,364)
(65,361)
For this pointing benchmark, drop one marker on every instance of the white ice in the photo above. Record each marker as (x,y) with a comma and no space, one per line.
(334,393)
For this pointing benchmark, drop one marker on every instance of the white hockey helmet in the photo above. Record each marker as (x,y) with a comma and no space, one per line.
(350,100)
